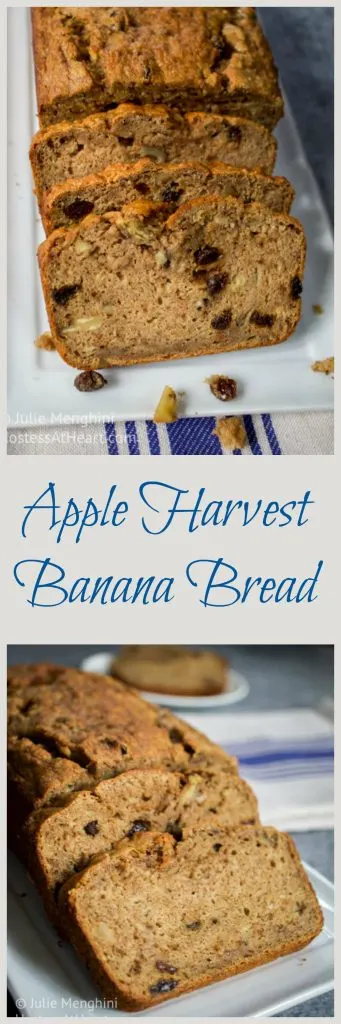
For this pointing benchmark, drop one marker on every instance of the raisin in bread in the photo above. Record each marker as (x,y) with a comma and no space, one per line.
(68,203)
(68,730)
(128,134)
(62,840)
(171,669)
(130,287)
(156,918)
(89,58)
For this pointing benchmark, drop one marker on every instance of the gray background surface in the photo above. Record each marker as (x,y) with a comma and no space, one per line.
(301,39)
(279,677)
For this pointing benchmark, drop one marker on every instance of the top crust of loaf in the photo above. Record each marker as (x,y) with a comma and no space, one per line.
(70,729)
(213,58)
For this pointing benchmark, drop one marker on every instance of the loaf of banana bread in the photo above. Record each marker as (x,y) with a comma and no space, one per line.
(62,840)
(157,918)
(130,133)
(129,287)
(120,184)
(68,729)
(205,58)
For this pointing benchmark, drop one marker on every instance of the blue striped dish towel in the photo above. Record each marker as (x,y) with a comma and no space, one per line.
(286,756)
(278,434)
(189,436)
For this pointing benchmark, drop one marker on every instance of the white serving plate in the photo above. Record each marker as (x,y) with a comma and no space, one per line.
(48,980)
(40,385)
(238,687)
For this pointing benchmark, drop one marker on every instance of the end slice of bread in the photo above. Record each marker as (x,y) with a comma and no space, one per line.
(156,919)
(130,287)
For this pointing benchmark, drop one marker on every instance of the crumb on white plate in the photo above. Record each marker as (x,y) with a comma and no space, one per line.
(324,366)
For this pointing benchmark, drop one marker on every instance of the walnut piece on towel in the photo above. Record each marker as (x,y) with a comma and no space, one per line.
(231,432)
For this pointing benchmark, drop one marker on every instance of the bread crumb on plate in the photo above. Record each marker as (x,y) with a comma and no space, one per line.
(45,341)
(324,366)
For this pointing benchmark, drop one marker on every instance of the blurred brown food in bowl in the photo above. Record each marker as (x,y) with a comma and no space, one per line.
(171,669)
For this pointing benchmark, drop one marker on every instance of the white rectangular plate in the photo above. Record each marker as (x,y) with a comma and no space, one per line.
(50,981)
(40,385)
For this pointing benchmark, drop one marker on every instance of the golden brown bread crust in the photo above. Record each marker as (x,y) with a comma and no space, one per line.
(167,235)
(130,132)
(69,202)
(62,840)
(163,855)
(210,58)
(68,729)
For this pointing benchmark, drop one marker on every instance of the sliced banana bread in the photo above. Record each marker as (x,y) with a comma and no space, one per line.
(62,840)
(87,58)
(71,729)
(129,287)
(68,203)
(156,918)
(162,668)
(126,135)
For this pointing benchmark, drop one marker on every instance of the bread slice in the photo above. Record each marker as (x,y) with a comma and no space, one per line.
(69,729)
(159,668)
(87,58)
(129,133)
(156,918)
(62,840)
(128,287)
(68,203)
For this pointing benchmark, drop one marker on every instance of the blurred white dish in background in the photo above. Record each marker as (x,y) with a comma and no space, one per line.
(238,687)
